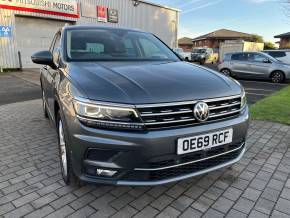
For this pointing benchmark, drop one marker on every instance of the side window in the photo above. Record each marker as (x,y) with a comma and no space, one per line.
(150,50)
(256,58)
(277,54)
(239,57)
(56,49)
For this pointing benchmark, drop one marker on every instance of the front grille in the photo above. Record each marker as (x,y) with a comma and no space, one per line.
(181,114)
(180,170)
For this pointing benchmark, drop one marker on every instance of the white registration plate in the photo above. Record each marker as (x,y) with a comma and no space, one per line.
(203,142)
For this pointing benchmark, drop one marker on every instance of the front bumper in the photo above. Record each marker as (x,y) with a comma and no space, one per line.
(149,158)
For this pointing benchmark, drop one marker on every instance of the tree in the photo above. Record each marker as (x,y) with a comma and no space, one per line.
(257,38)
(269,46)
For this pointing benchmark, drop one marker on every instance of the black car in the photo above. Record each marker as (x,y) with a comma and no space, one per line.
(128,111)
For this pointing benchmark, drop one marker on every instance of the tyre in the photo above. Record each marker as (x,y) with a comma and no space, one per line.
(277,77)
(68,175)
(186,59)
(202,62)
(44,106)
(226,72)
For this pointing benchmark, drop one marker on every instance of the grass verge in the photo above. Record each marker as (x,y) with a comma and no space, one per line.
(274,108)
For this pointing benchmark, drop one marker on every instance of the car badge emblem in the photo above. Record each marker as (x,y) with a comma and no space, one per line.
(201,111)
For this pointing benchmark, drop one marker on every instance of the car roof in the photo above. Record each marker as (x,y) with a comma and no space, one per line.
(244,52)
(278,50)
(98,27)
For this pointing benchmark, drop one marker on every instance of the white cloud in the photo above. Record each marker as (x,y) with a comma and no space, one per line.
(205,5)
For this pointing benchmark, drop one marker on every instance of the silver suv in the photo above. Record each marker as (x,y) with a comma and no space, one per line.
(256,65)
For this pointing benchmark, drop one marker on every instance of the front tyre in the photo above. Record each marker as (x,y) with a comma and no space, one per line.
(64,155)
(277,77)
(44,105)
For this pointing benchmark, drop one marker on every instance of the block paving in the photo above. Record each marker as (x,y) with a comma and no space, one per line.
(31,183)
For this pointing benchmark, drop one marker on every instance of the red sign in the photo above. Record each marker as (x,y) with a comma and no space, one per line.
(102,13)
(53,7)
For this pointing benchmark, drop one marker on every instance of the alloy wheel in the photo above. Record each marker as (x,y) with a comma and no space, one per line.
(277,77)
(62,149)
(226,72)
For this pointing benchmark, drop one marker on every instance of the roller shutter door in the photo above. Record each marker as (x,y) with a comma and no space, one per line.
(34,34)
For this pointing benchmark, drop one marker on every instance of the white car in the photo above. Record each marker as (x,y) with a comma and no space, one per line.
(281,55)
(185,55)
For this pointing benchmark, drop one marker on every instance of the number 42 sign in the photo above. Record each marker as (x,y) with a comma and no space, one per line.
(5,31)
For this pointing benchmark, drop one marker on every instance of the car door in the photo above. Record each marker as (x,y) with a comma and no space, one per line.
(259,67)
(238,64)
(52,72)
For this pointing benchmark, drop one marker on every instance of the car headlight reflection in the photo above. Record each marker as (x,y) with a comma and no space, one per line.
(107,116)
(243,99)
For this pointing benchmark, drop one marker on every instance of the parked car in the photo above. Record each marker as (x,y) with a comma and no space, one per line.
(128,111)
(184,55)
(201,55)
(256,65)
(281,55)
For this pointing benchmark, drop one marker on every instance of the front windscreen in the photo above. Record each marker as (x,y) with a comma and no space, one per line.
(115,45)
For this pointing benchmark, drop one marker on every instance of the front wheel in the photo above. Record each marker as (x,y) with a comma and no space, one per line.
(277,77)
(202,62)
(44,105)
(65,162)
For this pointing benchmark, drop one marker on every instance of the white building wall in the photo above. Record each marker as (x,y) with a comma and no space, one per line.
(161,21)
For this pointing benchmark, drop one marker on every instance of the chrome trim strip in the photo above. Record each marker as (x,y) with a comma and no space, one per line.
(175,179)
(102,103)
(224,114)
(165,113)
(224,106)
(191,162)
(105,121)
(173,121)
(140,106)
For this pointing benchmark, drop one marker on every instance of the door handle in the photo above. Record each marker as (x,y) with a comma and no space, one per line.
(45,67)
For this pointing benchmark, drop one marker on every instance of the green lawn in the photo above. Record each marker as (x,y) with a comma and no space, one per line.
(273,108)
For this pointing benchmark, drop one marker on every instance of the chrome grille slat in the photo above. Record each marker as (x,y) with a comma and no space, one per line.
(224,114)
(165,122)
(159,116)
(224,106)
(150,114)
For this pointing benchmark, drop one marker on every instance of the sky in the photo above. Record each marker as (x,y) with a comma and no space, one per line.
(263,17)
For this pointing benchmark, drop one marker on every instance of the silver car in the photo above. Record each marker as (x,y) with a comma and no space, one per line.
(256,65)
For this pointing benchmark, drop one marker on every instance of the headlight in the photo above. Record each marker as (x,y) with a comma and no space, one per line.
(97,115)
(243,99)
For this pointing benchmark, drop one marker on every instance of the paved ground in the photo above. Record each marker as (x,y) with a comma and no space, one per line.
(17,87)
(31,185)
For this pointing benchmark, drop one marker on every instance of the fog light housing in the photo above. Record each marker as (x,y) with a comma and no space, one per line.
(106,173)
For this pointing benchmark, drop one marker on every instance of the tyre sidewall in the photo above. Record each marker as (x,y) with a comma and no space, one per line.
(70,178)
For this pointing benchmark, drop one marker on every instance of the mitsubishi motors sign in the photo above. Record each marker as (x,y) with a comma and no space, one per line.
(66,8)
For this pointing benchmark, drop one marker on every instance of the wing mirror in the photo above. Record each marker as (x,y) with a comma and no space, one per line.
(43,58)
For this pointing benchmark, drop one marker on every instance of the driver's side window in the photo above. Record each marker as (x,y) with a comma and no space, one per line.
(56,49)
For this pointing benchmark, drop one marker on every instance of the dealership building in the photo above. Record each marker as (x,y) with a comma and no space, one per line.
(27,26)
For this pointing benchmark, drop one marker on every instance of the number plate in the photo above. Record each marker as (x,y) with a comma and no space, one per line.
(206,141)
